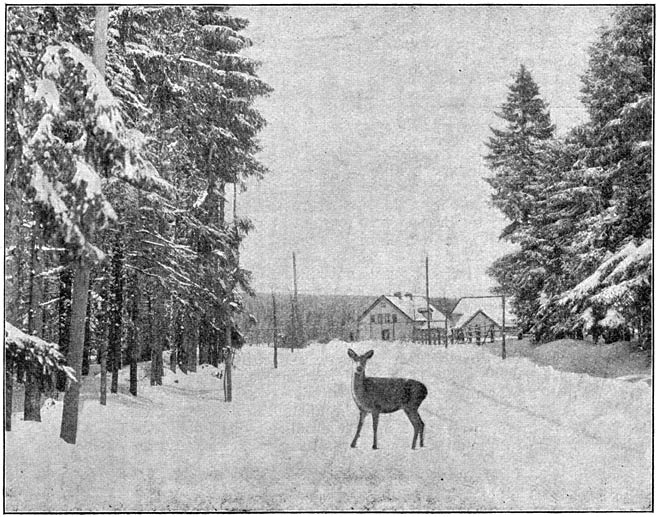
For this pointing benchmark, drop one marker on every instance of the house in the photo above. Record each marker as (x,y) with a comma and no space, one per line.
(400,317)
(480,318)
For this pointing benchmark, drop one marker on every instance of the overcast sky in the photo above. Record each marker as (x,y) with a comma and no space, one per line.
(375,138)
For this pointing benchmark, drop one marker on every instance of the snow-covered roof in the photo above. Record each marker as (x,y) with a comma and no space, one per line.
(414,306)
(466,308)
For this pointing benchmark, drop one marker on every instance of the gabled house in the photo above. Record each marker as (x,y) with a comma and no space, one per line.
(400,317)
(480,319)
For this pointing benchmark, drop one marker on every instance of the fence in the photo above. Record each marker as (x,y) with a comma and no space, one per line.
(478,335)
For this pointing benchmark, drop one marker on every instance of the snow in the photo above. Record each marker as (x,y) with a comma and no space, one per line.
(85,173)
(500,435)
(632,255)
(23,347)
(613,319)
(47,91)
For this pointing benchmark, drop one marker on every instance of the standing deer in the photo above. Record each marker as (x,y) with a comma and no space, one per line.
(378,395)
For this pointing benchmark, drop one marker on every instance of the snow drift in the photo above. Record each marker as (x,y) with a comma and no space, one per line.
(500,435)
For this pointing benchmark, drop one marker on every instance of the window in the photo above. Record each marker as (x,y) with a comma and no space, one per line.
(386,318)
(373,318)
(393,318)
(379,318)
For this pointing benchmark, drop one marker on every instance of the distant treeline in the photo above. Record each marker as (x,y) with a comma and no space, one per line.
(322,317)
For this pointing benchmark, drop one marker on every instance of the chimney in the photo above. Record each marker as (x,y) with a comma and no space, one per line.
(398,294)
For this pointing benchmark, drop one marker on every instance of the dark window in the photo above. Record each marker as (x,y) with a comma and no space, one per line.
(373,318)
(393,318)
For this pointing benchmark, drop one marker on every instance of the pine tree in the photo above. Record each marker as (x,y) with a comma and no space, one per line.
(515,158)
(513,150)
(200,91)
(67,133)
(608,188)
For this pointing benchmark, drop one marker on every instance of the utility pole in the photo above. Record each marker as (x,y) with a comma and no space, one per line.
(503,329)
(294,311)
(428,302)
(293,325)
(274,332)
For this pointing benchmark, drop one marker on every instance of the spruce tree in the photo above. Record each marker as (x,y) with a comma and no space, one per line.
(513,150)
(517,160)
(608,188)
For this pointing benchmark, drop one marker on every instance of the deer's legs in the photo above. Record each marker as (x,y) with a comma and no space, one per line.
(374,417)
(418,426)
(359,427)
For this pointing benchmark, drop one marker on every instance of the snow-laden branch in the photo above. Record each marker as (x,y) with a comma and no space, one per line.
(34,352)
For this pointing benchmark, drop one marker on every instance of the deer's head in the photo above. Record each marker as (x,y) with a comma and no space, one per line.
(360,360)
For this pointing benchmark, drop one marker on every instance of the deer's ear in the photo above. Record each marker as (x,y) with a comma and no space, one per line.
(369,354)
(352,354)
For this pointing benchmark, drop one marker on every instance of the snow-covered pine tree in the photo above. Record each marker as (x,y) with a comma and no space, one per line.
(516,160)
(200,91)
(609,186)
(67,133)
(36,355)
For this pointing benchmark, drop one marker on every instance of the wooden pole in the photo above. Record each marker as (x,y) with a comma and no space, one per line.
(428,302)
(295,314)
(503,329)
(274,332)
(293,325)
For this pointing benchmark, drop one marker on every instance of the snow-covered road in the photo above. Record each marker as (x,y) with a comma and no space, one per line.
(500,435)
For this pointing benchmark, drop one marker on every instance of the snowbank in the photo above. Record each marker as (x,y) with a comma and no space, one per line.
(500,435)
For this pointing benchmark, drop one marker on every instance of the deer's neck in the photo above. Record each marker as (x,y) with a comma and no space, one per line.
(357,387)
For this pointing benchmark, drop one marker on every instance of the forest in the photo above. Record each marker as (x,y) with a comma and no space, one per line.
(127,129)
(579,205)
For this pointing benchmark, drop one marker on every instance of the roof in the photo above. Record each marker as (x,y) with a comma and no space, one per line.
(466,308)
(410,307)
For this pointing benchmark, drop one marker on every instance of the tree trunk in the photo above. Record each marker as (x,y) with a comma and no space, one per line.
(9,392)
(193,339)
(157,342)
(81,273)
(205,336)
(64,315)
(184,346)
(133,344)
(117,297)
(32,401)
(87,347)
(228,363)
(133,357)
(80,289)
(102,352)
(177,334)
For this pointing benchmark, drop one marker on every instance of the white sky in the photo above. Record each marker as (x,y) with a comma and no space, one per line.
(376,135)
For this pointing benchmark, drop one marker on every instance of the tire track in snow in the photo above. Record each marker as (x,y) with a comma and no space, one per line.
(553,487)
(530,413)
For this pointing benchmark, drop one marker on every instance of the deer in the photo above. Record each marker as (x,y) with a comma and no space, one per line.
(378,395)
